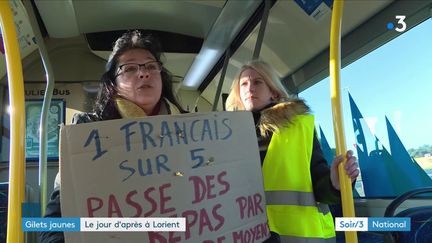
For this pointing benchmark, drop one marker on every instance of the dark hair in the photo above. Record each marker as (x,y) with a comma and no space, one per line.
(104,106)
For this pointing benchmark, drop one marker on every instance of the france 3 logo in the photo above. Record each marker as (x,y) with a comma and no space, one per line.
(400,26)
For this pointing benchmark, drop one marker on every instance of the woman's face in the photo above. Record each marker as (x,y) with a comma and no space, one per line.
(255,94)
(141,84)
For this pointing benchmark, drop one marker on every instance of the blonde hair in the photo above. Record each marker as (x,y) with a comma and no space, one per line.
(270,77)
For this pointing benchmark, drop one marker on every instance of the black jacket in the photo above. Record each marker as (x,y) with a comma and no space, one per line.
(53,208)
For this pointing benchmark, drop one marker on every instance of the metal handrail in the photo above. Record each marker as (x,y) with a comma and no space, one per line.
(43,132)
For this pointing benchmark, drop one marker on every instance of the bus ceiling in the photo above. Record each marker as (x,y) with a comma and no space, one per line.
(295,41)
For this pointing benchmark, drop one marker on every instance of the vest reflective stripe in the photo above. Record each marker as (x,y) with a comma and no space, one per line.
(290,198)
(295,198)
(291,207)
(300,221)
(293,239)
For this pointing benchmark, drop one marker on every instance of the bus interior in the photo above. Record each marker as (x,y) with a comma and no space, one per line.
(205,42)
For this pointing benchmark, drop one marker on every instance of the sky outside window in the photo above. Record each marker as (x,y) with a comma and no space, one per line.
(394,80)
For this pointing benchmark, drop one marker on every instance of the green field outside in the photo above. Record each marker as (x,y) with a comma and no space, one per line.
(425,162)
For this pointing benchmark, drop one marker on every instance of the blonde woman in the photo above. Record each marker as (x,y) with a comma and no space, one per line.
(297,181)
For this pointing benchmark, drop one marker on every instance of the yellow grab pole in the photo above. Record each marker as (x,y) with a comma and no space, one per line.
(17,125)
(335,59)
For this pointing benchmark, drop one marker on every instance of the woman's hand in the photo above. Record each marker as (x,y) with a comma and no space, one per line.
(351,168)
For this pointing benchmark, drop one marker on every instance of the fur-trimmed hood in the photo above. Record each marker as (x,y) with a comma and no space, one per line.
(280,115)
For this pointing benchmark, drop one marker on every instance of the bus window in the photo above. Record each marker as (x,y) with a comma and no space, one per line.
(390,87)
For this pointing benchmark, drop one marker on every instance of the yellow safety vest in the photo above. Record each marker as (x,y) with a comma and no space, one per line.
(292,210)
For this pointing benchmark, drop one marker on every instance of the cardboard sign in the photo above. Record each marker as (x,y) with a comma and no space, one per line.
(201,166)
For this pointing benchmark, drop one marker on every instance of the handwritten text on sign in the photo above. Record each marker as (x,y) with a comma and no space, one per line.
(203,167)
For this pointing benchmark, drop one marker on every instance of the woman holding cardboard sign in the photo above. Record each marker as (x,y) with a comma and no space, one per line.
(135,84)
(297,180)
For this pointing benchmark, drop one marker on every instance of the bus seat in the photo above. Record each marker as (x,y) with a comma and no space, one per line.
(421,219)
(421,225)
(3,210)
(30,196)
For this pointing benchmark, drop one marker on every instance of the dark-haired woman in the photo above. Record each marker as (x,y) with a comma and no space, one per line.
(135,84)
